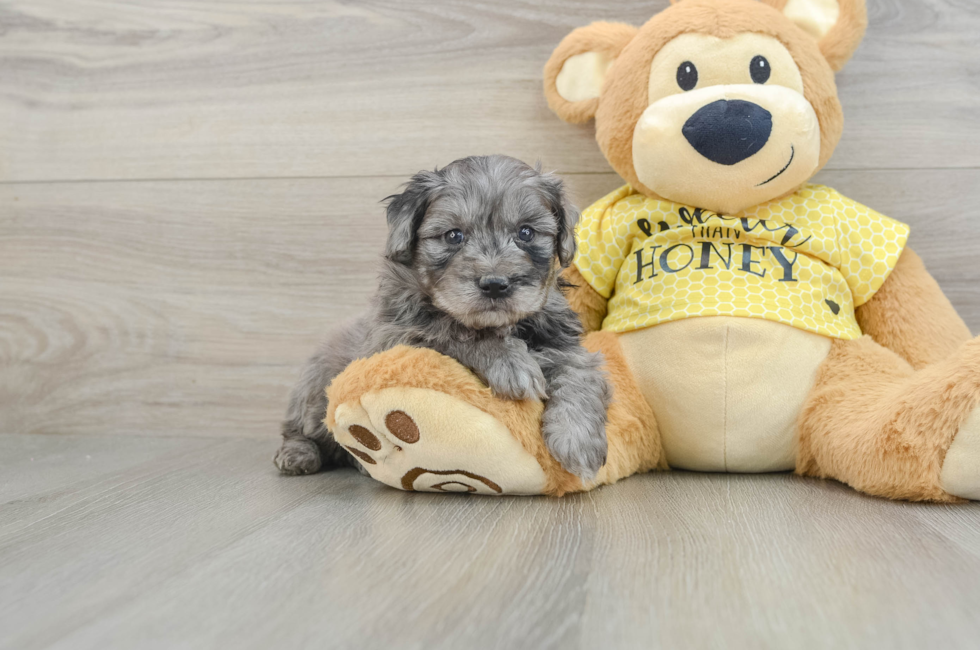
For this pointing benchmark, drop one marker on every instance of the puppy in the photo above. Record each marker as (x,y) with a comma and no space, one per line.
(471,270)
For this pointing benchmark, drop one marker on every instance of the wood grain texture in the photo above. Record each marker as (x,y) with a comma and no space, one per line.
(201,545)
(110,89)
(156,326)
(186,308)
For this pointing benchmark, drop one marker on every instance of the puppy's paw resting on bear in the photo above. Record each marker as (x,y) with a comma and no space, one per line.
(515,374)
(575,437)
(298,456)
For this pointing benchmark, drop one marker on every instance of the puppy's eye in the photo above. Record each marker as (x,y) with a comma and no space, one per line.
(454,237)
(687,76)
(526,233)
(760,69)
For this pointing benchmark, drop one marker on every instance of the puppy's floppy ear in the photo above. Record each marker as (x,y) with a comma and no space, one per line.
(838,25)
(405,212)
(577,68)
(566,215)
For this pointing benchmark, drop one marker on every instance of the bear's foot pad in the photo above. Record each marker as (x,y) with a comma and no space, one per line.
(423,440)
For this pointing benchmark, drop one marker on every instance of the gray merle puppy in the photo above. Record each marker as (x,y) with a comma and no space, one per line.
(471,270)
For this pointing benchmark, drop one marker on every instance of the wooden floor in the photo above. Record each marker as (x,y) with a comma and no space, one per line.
(189,199)
(109,542)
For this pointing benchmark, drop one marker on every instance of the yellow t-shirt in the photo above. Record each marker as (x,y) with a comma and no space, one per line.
(806,260)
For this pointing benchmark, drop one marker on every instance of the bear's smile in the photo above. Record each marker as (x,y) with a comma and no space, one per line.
(792,154)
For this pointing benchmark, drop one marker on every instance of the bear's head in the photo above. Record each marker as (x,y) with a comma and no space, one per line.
(719,104)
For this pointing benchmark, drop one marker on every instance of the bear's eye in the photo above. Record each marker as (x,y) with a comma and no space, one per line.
(687,76)
(454,237)
(760,69)
(526,233)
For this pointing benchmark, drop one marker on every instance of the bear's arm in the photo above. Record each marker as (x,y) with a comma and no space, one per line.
(584,300)
(911,316)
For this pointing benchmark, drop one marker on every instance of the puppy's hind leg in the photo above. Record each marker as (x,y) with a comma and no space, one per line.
(298,454)
(307,445)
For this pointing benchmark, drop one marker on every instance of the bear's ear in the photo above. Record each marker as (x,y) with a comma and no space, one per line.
(577,68)
(838,25)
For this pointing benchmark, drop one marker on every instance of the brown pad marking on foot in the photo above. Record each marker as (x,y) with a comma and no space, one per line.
(408,481)
(402,426)
(360,454)
(365,437)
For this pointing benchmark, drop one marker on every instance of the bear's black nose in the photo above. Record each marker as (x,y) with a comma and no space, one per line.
(729,131)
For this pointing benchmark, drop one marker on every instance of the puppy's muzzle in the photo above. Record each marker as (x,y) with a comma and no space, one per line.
(729,131)
(494,286)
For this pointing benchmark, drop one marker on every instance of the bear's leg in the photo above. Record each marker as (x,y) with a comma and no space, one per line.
(878,425)
(419,421)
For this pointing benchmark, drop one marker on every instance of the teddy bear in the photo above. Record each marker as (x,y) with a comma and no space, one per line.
(750,321)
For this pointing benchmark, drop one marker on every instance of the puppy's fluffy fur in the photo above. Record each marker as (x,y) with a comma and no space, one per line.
(471,271)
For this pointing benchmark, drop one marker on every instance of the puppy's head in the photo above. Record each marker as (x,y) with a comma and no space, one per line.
(485,237)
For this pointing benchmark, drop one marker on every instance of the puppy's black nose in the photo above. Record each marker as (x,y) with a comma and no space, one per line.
(494,286)
(729,131)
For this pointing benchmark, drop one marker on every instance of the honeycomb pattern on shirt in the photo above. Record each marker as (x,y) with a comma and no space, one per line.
(806,260)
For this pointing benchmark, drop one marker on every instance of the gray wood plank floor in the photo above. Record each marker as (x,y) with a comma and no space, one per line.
(191,543)
(189,199)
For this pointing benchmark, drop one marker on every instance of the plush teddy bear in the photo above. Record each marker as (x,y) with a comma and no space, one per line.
(750,321)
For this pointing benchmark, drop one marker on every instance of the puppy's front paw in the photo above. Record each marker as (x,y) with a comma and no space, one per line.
(516,376)
(298,456)
(576,439)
